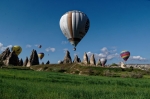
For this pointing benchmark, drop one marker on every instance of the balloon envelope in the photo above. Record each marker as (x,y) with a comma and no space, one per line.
(125,55)
(103,61)
(74,25)
(17,49)
(41,55)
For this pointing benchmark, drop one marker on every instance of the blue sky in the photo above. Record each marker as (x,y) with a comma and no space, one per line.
(115,25)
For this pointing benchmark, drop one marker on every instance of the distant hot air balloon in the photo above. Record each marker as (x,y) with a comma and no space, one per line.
(103,61)
(17,49)
(125,55)
(40,46)
(41,55)
(74,25)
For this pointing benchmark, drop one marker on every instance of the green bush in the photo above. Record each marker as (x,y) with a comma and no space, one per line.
(113,64)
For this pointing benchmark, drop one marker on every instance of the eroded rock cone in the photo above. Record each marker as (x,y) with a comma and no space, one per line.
(76,59)
(4,54)
(42,63)
(25,62)
(92,60)
(20,62)
(99,63)
(12,59)
(67,58)
(85,58)
(34,60)
(48,62)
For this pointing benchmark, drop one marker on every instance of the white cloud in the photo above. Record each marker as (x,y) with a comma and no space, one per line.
(28,46)
(2,47)
(64,42)
(36,45)
(139,58)
(105,53)
(50,49)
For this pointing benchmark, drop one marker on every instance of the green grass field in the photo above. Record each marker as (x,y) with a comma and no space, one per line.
(29,84)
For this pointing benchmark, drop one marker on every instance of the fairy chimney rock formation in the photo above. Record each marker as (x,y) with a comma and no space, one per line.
(85,58)
(48,62)
(20,62)
(76,59)
(92,60)
(12,59)
(4,54)
(33,60)
(99,63)
(67,58)
(42,63)
(25,62)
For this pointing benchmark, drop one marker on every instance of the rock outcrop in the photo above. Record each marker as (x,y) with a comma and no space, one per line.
(25,62)
(12,59)
(67,58)
(4,54)
(99,63)
(42,63)
(92,60)
(76,59)
(85,58)
(20,62)
(48,62)
(34,60)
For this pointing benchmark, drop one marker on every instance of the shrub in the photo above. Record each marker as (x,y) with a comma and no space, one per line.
(113,64)
(136,75)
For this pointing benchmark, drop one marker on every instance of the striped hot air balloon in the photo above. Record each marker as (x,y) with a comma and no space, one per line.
(125,55)
(74,25)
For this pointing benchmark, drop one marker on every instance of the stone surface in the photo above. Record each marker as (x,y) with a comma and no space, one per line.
(76,59)
(4,54)
(12,59)
(92,60)
(20,62)
(99,63)
(25,62)
(48,62)
(67,58)
(85,58)
(42,63)
(33,60)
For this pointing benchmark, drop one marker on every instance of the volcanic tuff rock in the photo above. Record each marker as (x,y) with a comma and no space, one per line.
(99,63)
(42,63)
(92,60)
(76,59)
(85,58)
(20,62)
(25,62)
(12,59)
(34,60)
(67,58)
(48,62)
(4,54)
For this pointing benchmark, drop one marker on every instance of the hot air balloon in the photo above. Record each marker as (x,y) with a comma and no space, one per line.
(125,55)
(103,61)
(17,49)
(41,55)
(74,25)
(40,46)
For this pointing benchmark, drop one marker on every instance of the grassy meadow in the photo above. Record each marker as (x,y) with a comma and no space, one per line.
(29,84)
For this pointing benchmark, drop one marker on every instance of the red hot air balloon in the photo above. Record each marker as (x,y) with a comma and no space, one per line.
(125,55)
